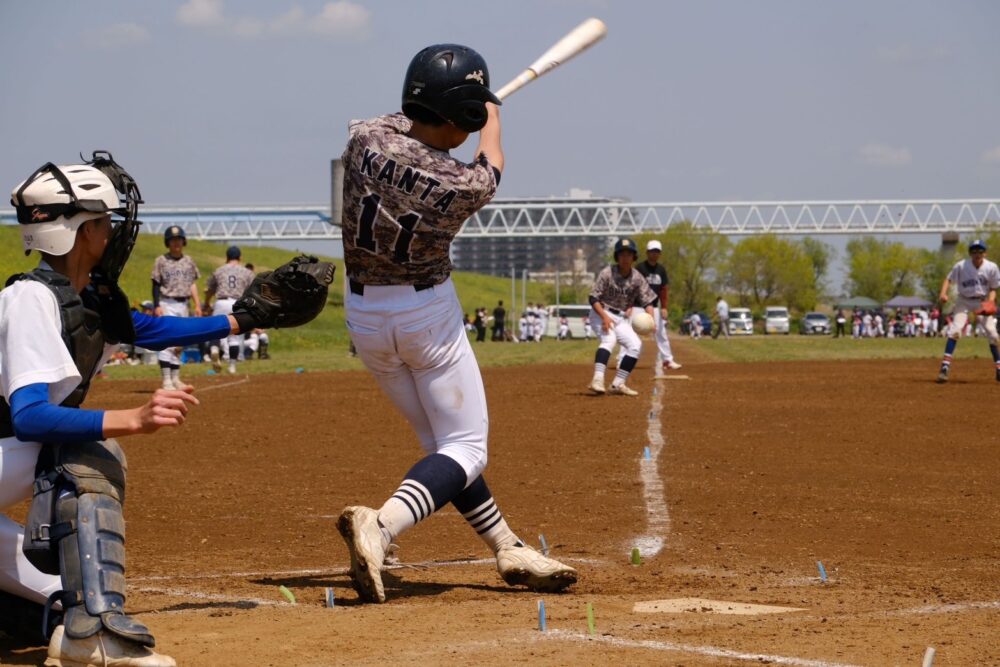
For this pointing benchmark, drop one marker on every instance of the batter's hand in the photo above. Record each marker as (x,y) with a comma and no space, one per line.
(606,324)
(943,298)
(167,407)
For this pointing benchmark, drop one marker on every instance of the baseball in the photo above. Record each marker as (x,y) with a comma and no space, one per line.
(642,323)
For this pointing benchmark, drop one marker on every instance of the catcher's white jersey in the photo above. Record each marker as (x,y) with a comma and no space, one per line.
(973,283)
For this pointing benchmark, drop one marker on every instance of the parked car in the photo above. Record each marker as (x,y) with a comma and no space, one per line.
(740,321)
(706,324)
(575,314)
(814,324)
(776,320)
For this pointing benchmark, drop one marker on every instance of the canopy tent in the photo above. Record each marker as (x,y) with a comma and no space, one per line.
(857,302)
(907,302)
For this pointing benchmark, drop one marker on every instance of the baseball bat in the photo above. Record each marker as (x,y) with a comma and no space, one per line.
(579,39)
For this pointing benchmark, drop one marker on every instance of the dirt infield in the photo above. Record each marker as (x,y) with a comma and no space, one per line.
(763,470)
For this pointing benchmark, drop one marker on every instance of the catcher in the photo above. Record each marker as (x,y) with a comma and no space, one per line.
(977,280)
(59,324)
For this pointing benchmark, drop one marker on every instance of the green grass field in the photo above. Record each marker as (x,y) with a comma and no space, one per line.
(327,332)
(827,348)
(323,344)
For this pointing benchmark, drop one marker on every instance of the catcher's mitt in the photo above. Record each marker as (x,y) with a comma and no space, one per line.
(292,294)
(988,308)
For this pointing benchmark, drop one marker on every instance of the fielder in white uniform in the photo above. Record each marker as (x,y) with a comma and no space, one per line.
(174,275)
(405,199)
(976,280)
(226,284)
(617,289)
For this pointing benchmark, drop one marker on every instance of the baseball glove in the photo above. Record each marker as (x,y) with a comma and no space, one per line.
(988,308)
(291,295)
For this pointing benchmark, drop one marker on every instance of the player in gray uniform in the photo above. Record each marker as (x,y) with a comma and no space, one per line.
(226,284)
(174,276)
(405,199)
(977,280)
(616,290)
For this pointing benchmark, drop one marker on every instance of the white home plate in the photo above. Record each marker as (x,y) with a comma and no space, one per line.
(702,606)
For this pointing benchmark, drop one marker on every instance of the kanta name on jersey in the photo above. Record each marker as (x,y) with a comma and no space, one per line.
(377,166)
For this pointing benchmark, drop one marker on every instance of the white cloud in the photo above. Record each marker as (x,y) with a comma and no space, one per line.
(885,155)
(117,36)
(992,156)
(201,13)
(905,54)
(339,19)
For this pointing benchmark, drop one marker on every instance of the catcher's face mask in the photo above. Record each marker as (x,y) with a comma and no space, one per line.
(124,219)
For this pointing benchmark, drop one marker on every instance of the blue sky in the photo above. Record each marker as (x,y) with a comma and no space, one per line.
(219,101)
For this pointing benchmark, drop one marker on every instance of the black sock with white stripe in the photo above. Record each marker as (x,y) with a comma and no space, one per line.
(626,366)
(430,484)
(478,507)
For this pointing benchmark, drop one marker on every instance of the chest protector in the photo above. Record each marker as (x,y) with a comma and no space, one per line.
(100,315)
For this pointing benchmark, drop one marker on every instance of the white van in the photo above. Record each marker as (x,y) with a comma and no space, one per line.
(740,321)
(776,320)
(575,314)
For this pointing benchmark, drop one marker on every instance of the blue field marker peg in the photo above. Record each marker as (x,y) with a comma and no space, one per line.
(822,571)
(541,615)
(300,370)
(210,372)
(646,454)
(545,546)
(330,601)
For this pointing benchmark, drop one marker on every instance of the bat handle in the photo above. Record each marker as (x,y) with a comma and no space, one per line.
(524,77)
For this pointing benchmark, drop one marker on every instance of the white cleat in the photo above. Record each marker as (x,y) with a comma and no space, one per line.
(169,386)
(520,565)
(216,360)
(359,527)
(100,650)
(672,365)
(622,390)
(597,386)
(232,368)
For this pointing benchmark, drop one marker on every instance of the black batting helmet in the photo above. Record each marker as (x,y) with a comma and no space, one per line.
(451,81)
(173,232)
(628,244)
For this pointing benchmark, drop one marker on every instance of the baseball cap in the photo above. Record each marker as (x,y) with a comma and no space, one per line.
(977,245)
(654,245)
(233,252)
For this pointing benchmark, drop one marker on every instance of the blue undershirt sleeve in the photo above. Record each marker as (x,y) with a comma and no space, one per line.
(37,420)
(157,333)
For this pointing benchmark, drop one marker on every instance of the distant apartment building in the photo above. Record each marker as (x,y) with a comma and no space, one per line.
(496,256)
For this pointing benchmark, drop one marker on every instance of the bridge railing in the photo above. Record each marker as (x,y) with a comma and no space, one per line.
(500,219)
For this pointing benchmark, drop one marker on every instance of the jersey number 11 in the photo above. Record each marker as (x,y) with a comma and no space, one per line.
(365,238)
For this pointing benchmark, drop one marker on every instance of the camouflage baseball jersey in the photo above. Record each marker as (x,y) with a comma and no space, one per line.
(404,202)
(229,281)
(175,275)
(620,293)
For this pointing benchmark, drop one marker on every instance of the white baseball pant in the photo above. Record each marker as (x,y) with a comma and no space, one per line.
(17,474)
(960,317)
(225,307)
(175,308)
(415,345)
(621,333)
